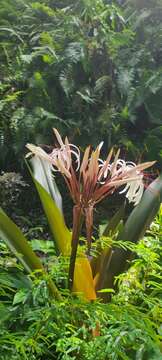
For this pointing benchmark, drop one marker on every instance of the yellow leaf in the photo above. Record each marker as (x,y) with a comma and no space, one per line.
(83,279)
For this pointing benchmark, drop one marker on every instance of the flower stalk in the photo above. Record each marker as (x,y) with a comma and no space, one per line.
(77,225)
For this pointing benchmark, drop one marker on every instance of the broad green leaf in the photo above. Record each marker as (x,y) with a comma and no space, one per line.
(46,247)
(15,280)
(20,296)
(5,312)
(61,234)
(16,241)
(134,229)
(42,171)
(144,213)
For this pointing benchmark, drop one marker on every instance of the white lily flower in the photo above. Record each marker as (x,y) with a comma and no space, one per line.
(134,189)
(63,156)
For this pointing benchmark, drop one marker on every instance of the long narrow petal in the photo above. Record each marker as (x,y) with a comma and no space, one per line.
(105,165)
(36,150)
(113,170)
(85,160)
(60,165)
(58,137)
(94,164)
(141,167)
(109,186)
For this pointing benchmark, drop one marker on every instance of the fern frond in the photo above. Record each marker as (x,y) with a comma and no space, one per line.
(74,52)
(124,80)
(102,84)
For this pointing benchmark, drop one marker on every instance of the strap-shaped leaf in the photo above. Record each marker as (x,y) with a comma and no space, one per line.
(42,171)
(114,221)
(60,232)
(144,213)
(134,229)
(18,244)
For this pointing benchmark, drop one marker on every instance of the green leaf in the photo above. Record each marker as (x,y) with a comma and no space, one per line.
(20,296)
(106,291)
(4,312)
(45,246)
(114,221)
(42,172)
(16,241)
(144,213)
(86,97)
(60,232)
(14,280)
(134,229)
(12,32)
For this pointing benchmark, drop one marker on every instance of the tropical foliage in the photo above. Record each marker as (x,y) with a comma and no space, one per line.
(70,65)
(78,279)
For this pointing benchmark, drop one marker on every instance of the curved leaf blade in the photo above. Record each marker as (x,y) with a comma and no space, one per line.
(60,232)
(18,244)
(42,171)
(134,229)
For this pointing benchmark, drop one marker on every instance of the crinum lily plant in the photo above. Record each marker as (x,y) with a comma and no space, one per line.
(89,181)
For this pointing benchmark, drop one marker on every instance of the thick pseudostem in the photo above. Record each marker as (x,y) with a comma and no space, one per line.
(77,224)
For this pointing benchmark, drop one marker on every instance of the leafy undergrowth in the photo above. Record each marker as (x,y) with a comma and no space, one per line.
(34,327)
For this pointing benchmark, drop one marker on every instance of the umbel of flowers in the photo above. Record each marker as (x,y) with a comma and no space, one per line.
(90,180)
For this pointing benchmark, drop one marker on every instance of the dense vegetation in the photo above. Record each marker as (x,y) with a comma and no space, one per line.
(85,288)
(73,64)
